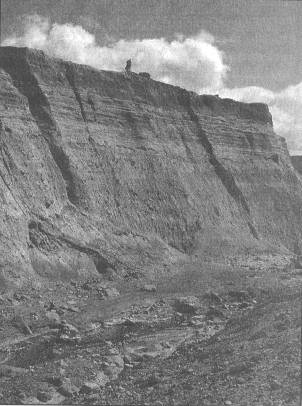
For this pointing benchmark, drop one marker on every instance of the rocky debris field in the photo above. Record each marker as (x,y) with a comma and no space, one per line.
(111,342)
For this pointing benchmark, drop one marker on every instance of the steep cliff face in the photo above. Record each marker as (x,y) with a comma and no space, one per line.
(102,171)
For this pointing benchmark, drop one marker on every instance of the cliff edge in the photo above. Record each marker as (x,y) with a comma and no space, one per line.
(100,172)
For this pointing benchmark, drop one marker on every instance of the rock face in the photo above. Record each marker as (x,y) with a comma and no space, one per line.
(99,171)
(297,162)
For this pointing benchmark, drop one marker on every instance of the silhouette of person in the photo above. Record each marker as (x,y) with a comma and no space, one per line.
(128,66)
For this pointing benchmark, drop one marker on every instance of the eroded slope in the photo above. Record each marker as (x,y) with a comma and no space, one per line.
(100,171)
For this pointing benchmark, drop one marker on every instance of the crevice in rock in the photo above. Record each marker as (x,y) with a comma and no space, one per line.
(4,154)
(26,82)
(224,175)
(101,263)
(38,238)
(2,149)
(71,78)
(92,105)
(70,75)
(42,238)
(187,148)
(253,230)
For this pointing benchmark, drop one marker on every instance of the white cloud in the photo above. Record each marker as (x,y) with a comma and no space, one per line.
(285,106)
(194,62)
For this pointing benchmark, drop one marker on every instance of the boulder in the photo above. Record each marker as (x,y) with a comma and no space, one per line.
(149,288)
(113,365)
(153,379)
(101,379)
(51,397)
(54,320)
(74,309)
(106,292)
(67,388)
(214,297)
(90,387)
(44,396)
(68,332)
(30,400)
(198,320)
(187,304)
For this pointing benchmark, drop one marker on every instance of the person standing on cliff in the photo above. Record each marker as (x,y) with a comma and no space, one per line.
(128,67)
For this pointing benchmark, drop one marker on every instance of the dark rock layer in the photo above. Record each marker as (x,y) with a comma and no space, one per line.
(101,171)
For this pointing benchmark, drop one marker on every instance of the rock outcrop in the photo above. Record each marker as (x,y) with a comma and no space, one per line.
(99,171)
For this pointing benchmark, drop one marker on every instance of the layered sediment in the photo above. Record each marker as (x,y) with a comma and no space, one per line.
(99,171)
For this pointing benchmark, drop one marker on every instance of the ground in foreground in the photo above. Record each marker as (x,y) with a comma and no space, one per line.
(214,334)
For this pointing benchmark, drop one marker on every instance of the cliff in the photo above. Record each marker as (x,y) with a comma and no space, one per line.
(101,172)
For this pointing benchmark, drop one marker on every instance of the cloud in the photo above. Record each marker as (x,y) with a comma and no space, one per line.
(191,62)
(285,106)
(194,63)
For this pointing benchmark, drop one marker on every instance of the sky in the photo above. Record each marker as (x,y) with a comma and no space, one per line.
(249,50)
